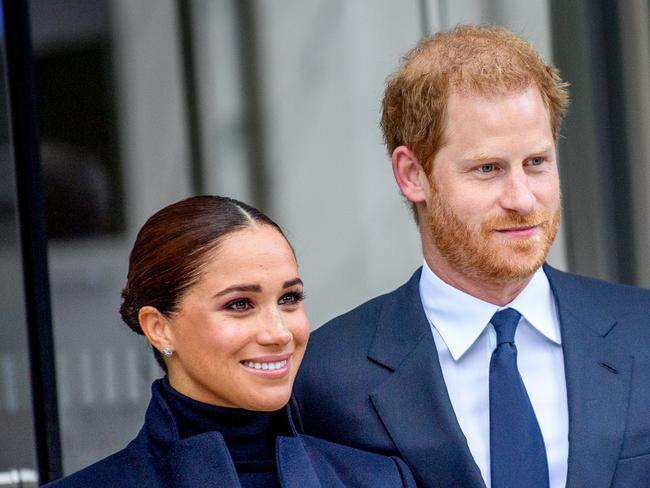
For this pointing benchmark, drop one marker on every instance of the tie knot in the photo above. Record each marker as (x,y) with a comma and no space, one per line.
(505,324)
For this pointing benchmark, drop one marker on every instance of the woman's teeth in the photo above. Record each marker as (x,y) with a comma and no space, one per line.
(269,366)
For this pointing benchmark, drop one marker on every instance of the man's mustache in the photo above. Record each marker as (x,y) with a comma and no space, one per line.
(515,220)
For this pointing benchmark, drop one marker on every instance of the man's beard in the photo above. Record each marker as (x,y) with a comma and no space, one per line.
(478,253)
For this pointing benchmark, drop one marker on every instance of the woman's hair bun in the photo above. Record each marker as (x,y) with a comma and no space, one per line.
(129,312)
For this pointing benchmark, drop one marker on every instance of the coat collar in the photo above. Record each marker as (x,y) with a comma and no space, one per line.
(160,431)
(204,459)
(433,445)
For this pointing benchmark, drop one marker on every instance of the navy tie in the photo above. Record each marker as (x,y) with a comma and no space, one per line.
(517,453)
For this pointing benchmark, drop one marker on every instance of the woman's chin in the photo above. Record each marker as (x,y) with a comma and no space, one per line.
(268,404)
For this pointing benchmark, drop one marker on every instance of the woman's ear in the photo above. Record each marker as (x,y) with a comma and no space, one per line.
(156,328)
(409,174)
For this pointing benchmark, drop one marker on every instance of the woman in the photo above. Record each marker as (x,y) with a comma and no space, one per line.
(213,284)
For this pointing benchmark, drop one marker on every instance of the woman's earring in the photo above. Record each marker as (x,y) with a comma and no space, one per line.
(167,351)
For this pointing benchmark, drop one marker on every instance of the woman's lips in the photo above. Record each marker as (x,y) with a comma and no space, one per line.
(268,366)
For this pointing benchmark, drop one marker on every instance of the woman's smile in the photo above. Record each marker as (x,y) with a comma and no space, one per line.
(269,367)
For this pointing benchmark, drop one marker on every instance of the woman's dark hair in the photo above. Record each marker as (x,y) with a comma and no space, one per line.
(172,248)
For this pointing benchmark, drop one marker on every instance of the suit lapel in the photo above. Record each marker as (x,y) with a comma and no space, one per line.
(598,375)
(413,402)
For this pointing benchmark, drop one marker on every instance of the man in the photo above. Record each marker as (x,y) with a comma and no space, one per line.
(488,367)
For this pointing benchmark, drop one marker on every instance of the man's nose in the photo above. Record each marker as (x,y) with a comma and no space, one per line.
(517,195)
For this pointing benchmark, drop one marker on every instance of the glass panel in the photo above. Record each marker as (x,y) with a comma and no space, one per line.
(103,370)
(634,21)
(17,445)
(289,93)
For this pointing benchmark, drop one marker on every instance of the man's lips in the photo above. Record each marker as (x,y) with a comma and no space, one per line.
(519,232)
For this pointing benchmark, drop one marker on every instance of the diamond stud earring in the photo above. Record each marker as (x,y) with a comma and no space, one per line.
(167,351)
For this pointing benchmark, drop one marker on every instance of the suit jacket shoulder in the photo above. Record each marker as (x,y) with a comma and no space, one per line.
(615,312)
(577,292)
(397,315)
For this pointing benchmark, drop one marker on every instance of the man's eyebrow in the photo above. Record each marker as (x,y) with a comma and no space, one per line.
(244,287)
(481,157)
(542,148)
(492,157)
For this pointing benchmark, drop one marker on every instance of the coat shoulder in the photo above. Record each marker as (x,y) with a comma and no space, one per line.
(124,469)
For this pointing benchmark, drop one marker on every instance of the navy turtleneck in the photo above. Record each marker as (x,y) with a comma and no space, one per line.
(250,436)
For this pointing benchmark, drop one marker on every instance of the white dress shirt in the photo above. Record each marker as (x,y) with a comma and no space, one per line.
(465,341)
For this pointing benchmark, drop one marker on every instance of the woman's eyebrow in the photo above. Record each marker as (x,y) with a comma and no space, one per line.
(295,281)
(254,288)
(230,289)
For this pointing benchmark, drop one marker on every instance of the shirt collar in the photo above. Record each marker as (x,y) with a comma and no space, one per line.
(537,305)
(461,318)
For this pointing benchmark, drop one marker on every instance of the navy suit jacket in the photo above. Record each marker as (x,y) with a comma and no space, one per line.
(158,458)
(371,378)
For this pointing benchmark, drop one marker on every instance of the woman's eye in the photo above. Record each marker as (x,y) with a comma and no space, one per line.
(239,305)
(486,168)
(291,298)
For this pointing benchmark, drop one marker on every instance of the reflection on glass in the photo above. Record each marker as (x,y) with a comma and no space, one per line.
(17,452)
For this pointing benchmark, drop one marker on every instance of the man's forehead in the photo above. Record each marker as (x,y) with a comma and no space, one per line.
(494,93)
(499,118)
(486,106)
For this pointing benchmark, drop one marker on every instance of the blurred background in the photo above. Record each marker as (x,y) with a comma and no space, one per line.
(274,102)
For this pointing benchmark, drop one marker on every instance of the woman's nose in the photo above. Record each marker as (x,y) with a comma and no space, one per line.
(274,330)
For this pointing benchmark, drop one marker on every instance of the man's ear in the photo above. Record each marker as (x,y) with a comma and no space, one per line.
(155,327)
(409,175)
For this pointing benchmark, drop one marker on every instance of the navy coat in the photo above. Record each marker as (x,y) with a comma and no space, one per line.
(158,458)
(377,366)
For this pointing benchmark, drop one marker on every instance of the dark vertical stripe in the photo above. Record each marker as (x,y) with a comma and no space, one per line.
(252,98)
(32,233)
(608,24)
(184,9)
(587,48)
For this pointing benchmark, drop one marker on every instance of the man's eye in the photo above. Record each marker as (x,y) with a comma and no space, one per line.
(239,305)
(487,168)
(536,161)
